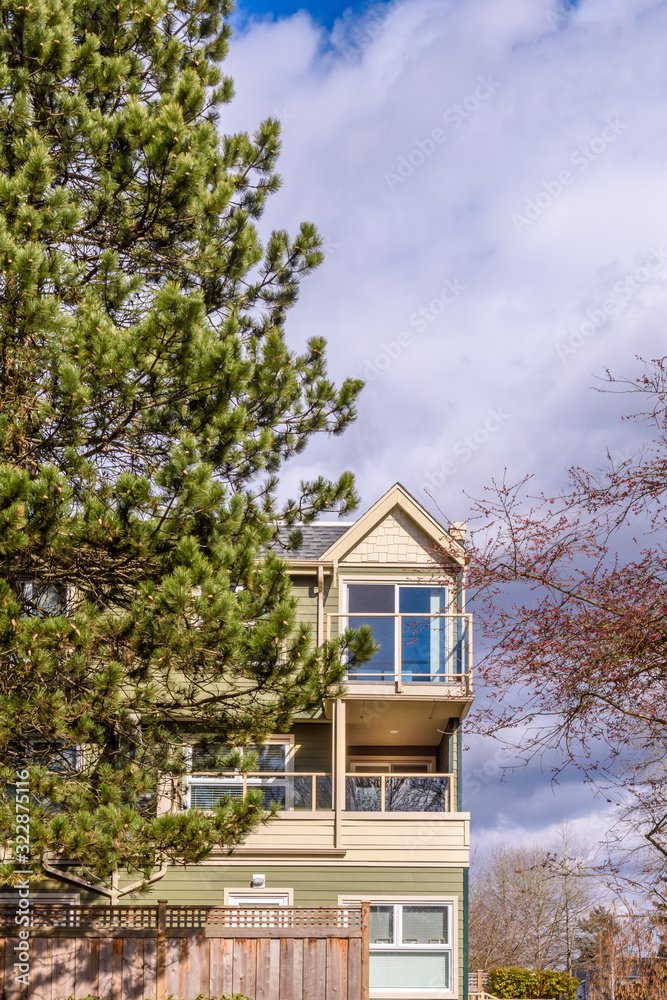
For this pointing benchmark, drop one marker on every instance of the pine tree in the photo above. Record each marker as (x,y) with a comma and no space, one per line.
(148,399)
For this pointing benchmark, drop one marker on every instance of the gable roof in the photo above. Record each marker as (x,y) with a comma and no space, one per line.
(399,497)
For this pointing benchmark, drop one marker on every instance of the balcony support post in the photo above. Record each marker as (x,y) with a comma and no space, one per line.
(338,767)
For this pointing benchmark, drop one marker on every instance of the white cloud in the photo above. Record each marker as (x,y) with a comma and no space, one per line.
(360,103)
(579,92)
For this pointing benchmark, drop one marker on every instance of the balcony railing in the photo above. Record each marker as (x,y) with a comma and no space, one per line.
(311,793)
(291,791)
(415,648)
(398,792)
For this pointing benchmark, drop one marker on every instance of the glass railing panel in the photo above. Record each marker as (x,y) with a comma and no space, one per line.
(324,792)
(289,792)
(423,648)
(363,794)
(427,794)
(382,666)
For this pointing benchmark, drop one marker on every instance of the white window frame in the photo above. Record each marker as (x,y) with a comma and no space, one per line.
(452,903)
(259,897)
(387,760)
(397,583)
(285,739)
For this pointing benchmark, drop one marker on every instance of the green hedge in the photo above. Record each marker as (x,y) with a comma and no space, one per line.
(531,984)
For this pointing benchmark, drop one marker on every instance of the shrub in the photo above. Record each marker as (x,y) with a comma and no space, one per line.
(532,984)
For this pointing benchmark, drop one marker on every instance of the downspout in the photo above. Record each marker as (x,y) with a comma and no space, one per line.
(464,992)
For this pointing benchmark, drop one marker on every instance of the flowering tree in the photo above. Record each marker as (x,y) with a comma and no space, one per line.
(571,593)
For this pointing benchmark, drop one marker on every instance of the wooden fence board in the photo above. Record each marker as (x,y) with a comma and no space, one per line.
(216,969)
(66,958)
(171,963)
(228,964)
(314,969)
(117,969)
(263,969)
(104,970)
(245,957)
(150,948)
(129,966)
(40,969)
(354,969)
(194,968)
(183,967)
(83,974)
(336,970)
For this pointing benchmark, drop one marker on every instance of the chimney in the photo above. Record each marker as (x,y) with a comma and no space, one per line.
(457,530)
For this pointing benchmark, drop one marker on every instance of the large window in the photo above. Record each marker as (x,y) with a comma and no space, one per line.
(412,627)
(411,948)
(209,782)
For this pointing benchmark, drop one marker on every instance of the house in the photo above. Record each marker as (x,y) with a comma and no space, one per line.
(369,785)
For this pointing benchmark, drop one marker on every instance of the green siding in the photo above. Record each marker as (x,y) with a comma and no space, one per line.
(314,885)
(304,589)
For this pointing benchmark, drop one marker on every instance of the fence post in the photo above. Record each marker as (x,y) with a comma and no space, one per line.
(161,950)
(365,949)
(480,980)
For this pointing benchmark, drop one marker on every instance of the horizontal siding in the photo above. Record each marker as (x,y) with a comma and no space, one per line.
(313,885)
(304,588)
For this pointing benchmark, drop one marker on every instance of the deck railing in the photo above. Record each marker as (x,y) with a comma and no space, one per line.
(421,648)
(311,793)
(398,792)
(291,791)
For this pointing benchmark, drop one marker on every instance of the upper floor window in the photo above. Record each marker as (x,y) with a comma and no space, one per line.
(210,781)
(44,599)
(413,627)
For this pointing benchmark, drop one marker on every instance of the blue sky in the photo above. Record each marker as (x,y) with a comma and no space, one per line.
(490,183)
(323,11)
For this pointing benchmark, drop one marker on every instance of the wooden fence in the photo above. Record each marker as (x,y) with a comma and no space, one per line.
(138,952)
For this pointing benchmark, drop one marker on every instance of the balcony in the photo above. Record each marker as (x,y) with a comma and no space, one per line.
(395,793)
(284,790)
(415,648)
(310,793)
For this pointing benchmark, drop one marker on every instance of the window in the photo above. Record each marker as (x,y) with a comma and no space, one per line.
(44,599)
(53,755)
(420,640)
(259,897)
(412,946)
(208,784)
